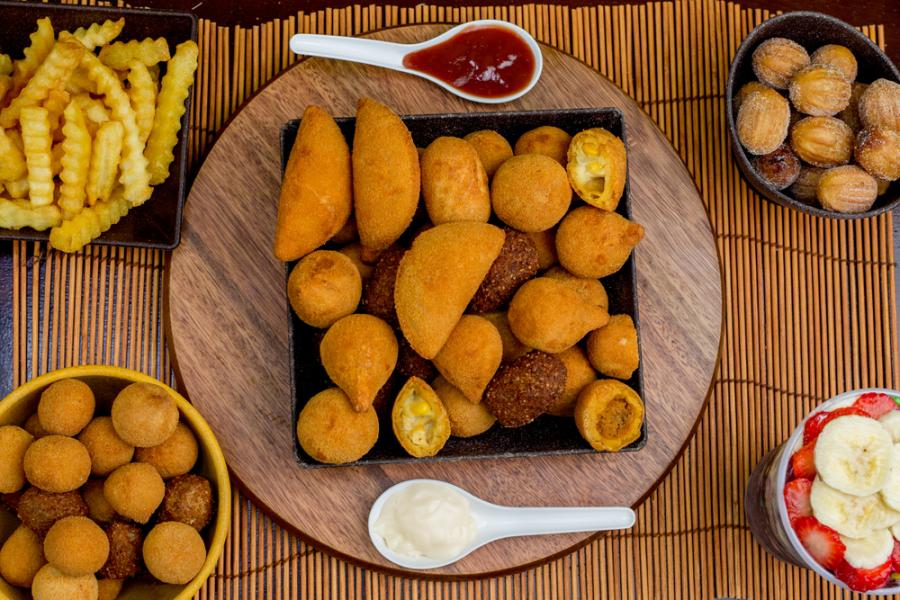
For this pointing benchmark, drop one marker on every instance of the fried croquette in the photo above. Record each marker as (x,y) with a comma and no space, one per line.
(76,546)
(175,456)
(492,149)
(454,182)
(595,243)
(613,348)
(14,441)
(597,167)
(545,244)
(65,407)
(316,195)
(438,277)
(419,419)
(21,557)
(411,364)
(99,508)
(523,390)
(590,289)
(323,287)
(516,264)
(354,253)
(385,175)
(530,192)
(144,415)
(331,431)
(109,589)
(189,500)
(39,510)
(33,426)
(50,584)
(135,491)
(546,140)
(56,463)
(579,373)
(174,552)
(108,451)
(125,542)
(609,415)
(467,419)
(378,296)
(471,356)
(512,347)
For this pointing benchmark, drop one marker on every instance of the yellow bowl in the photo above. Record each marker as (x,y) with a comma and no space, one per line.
(106,383)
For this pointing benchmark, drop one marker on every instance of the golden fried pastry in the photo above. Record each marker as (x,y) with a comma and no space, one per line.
(822,141)
(762,121)
(174,552)
(348,233)
(850,115)
(524,389)
(549,315)
(39,510)
(76,546)
(530,192)
(21,557)
(594,243)
(359,353)
(438,277)
(777,60)
(591,290)
(125,541)
(847,189)
(134,491)
(597,167)
(780,168)
(65,407)
(316,194)
(108,451)
(385,175)
(546,140)
(471,356)
(516,264)
(378,295)
(354,253)
(50,584)
(467,419)
(323,287)
(56,463)
(331,431)
(492,149)
(878,152)
(512,347)
(579,373)
(419,419)
(33,426)
(838,57)
(820,91)
(545,243)
(609,415)
(109,589)
(144,415)
(99,508)
(879,105)
(188,500)
(613,348)
(746,89)
(804,187)
(175,456)
(14,442)
(454,182)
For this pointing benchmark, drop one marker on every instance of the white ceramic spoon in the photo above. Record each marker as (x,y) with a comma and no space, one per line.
(494,522)
(390,55)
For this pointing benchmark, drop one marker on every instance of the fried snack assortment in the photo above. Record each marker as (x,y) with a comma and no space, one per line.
(87,127)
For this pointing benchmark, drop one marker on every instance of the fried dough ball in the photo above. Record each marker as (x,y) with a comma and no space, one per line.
(354,253)
(109,589)
(125,541)
(838,57)
(546,140)
(471,356)
(609,415)
(850,115)
(323,287)
(99,508)
(57,464)
(135,491)
(144,415)
(65,407)
(14,442)
(189,500)
(878,152)
(780,168)
(174,552)
(820,91)
(492,149)
(21,557)
(419,419)
(467,419)
(613,348)
(50,584)
(411,364)
(804,188)
(523,390)
(746,90)
(579,374)
(331,431)
(763,120)
(512,347)
(545,244)
(454,182)
(175,456)
(39,510)
(879,105)
(594,243)
(847,189)
(378,296)
(76,546)
(597,167)
(516,264)
(822,141)
(777,60)
(108,451)
(590,289)
(33,426)
(531,192)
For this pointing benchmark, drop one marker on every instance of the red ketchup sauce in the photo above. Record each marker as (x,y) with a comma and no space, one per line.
(483,61)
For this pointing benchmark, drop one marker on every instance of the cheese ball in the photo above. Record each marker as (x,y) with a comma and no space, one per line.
(531,192)
(109,589)
(33,426)
(21,557)
(492,149)
(57,464)
(594,243)
(135,491)
(545,243)
(99,508)
(50,584)
(76,546)
(548,141)
(323,287)
(188,500)
(125,541)
(14,441)
(174,552)
(108,451)
(65,407)
(467,419)
(579,374)
(331,431)
(175,456)
(613,349)
(39,510)
(144,415)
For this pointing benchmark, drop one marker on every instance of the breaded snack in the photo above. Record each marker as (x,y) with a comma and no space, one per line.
(347,233)
(109,589)
(530,192)
(175,456)
(65,407)
(471,356)
(549,315)
(523,390)
(609,415)
(125,541)
(359,353)
(547,140)
(99,508)
(189,500)
(108,451)
(411,364)
(613,348)
(135,491)
(590,289)
(323,287)
(385,175)
(144,415)
(39,510)
(512,347)
(331,431)
(354,253)
(454,182)
(545,243)
(579,373)
(378,296)
(56,463)
(33,426)
(21,556)
(76,546)
(174,552)
(438,277)
(316,196)
(467,419)
(594,243)
(492,149)
(14,441)
(50,584)
(597,167)
(419,419)
(516,264)
(11,500)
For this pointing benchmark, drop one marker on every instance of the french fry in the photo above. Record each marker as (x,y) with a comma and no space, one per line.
(80,83)
(5,87)
(147,51)
(142,92)
(105,153)
(55,104)
(76,160)
(56,154)
(175,88)
(94,111)
(16,214)
(12,161)
(89,224)
(17,189)
(42,41)
(6,65)
(99,34)
(36,136)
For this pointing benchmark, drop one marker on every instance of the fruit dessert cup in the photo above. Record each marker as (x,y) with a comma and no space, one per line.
(828,499)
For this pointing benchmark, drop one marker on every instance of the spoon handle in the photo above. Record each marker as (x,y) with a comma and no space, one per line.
(369,52)
(510,522)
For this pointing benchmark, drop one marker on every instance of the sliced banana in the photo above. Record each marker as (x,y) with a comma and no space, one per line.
(852,516)
(891,422)
(853,455)
(890,493)
(869,552)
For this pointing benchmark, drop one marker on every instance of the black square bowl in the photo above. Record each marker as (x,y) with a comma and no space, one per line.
(157,222)
(547,435)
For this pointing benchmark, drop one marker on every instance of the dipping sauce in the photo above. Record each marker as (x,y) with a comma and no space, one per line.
(490,62)
(427,520)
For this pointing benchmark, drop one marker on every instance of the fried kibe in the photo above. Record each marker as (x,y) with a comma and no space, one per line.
(516,264)
(454,182)
(590,289)
(323,287)
(385,175)
(492,149)
(316,195)
(547,140)
(530,192)
(108,451)
(359,353)
(579,374)
(14,442)
(419,419)
(467,419)
(174,552)
(331,431)
(76,546)
(438,277)
(175,456)
(125,541)
(523,390)
(594,243)
(144,415)
(65,407)
(609,415)
(613,348)
(411,364)
(512,347)
(135,491)
(597,167)
(378,295)
(39,510)
(21,557)
(549,315)
(471,356)
(188,500)
(57,464)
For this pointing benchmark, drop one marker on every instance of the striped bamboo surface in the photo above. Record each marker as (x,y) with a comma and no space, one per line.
(810,311)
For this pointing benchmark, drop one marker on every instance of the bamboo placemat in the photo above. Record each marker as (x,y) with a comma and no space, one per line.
(810,311)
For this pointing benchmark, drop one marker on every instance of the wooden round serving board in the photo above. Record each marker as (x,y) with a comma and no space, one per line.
(228,317)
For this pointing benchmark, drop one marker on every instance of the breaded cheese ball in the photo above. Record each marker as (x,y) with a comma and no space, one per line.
(76,546)
(99,508)
(57,464)
(331,431)
(14,441)
(174,552)
(65,407)
(33,426)
(135,491)
(144,415)
(547,140)
(109,589)
(50,584)
(492,149)
(21,557)
(323,287)
(108,451)
(531,192)
(175,456)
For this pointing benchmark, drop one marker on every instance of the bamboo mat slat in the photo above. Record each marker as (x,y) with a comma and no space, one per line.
(810,310)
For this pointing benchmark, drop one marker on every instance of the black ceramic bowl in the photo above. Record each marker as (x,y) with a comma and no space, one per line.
(156,223)
(810,30)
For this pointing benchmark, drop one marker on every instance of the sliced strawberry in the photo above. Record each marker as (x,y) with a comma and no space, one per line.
(875,404)
(817,422)
(863,580)
(796,498)
(895,557)
(803,462)
(823,543)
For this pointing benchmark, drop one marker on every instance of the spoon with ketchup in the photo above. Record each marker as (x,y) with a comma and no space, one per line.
(484,61)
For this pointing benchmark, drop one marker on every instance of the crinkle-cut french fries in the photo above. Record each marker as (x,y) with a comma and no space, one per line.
(89,224)
(79,83)
(16,214)
(98,34)
(56,154)
(17,189)
(38,157)
(95,113)
(105,155)
(6,64)
(55,104)
(42,41)
(148,51)
(5,87)
(12,161)
(76,159)
(142,92)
